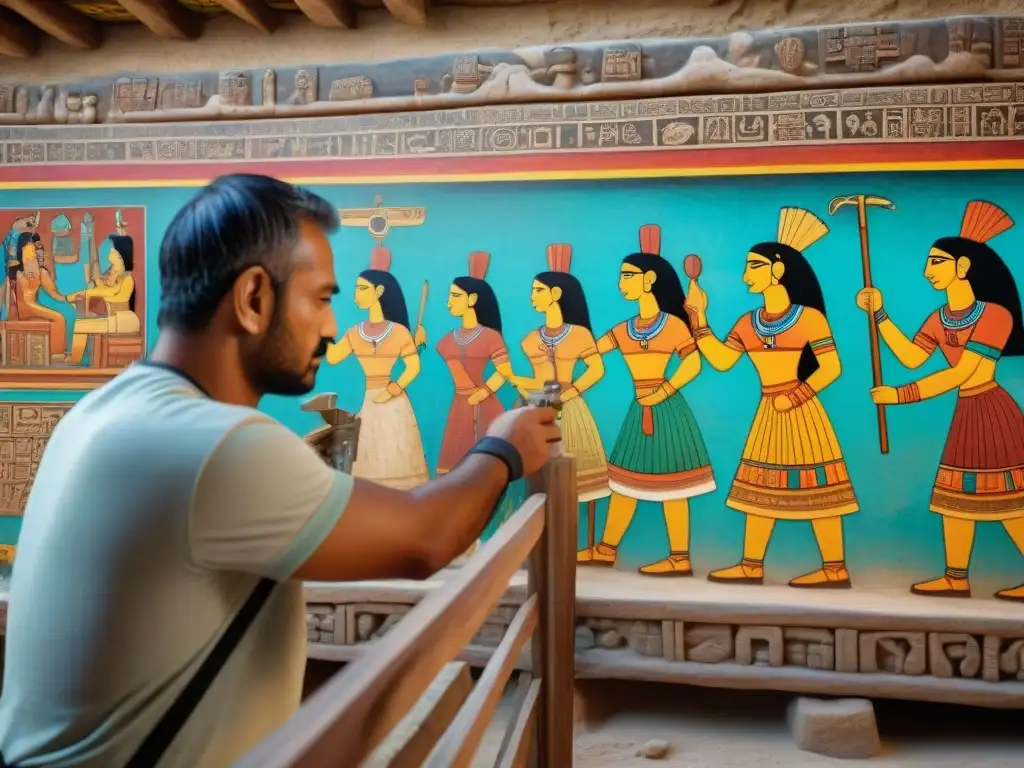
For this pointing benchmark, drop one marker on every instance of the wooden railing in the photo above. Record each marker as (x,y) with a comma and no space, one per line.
(348,718)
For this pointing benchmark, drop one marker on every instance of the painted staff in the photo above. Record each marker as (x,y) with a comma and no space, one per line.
(863,202)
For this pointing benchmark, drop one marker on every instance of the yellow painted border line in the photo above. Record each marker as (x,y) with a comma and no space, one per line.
(567,175)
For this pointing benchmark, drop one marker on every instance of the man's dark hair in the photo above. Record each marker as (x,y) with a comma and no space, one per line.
(237,222)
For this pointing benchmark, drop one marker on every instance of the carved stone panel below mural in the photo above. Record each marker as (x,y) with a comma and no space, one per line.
(24,430)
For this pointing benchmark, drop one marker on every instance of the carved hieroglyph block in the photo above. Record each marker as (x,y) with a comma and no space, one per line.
(947,648)
(748,652)
(901,653)
(1003,658)
(367,621)
(847,651)
(810,647)
(645,638)
(709,643)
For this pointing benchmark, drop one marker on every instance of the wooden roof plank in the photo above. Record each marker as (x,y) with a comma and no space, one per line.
(337,14)
(165,18)
(60,21)
(18,38)
(411,12)
(254,12)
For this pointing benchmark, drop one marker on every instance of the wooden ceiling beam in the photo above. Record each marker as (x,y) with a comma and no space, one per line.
(254,12)
(412,12)
(59,20)
(165,18)
(337,14)
(18,38)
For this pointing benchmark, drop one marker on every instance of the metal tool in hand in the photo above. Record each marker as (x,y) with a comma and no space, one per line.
(344,429)
(863,202)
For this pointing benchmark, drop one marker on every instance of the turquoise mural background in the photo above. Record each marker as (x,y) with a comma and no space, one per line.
(892,539)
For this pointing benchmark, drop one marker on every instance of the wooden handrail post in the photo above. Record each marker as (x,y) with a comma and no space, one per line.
(552,577)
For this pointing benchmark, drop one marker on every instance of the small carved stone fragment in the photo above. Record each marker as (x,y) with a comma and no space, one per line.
(366,625)
(351,89)
(709,643)
(1011,660)
(901,653)
(182,94)
(847,649)
(790,51)
(421,86)
(810,647)
(6,99)
(585,639)
(610,639)
(269,94)
(655,749)
(747,637)
(562,64)
(621,64)
(233,89)
(466,74)
(306,85)
(645,638)
(946,648)
(844,728)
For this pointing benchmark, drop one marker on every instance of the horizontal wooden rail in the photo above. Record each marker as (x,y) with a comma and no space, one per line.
(342,723)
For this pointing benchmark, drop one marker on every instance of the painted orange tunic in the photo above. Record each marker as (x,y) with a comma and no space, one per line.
(981,472)
(26,306)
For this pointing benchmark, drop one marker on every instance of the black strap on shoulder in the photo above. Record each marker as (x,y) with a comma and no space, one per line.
(174,719)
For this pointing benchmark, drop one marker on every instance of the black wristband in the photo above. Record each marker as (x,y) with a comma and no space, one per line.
(504,452)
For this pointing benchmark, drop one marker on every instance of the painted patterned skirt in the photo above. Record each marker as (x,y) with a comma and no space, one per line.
(466,425)
(981,473)
(582,440)
(792,467)
(659,454)
(390,448)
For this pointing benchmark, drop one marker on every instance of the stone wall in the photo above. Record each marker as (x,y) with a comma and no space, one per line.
(229,43)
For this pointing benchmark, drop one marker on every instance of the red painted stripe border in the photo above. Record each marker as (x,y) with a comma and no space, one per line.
(704,161)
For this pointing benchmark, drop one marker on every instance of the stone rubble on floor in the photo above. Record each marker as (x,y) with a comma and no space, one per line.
(842,728)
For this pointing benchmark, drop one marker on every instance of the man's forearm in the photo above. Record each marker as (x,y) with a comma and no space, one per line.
(457,506)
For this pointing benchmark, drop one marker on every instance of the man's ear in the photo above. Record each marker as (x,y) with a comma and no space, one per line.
(253,299)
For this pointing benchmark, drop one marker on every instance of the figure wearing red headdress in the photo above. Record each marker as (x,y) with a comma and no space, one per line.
(467,351)
(981,472)
(390,448)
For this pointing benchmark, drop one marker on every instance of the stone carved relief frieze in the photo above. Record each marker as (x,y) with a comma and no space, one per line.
(894,53)
(918,654)
(936,113)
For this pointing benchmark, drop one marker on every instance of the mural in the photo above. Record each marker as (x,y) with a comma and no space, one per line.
(981,472)
(672,372)
(65,326)
(792,467)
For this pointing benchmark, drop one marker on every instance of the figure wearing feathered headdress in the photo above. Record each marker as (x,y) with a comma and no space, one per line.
(981,472)
(792,467)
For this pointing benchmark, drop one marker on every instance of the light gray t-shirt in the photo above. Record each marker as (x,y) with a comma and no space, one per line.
(154,513)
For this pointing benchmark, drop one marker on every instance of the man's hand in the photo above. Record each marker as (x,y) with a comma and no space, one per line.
(531,431)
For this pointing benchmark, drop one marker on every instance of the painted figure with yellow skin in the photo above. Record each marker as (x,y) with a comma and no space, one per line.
(554,350)
(390,449)
(981,472)
(27,274)
(116,288)
(792,467)
(659,454)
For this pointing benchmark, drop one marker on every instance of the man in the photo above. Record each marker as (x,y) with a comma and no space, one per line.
(164,497)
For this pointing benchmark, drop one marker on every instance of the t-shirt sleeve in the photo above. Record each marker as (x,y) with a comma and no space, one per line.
(991,332)
(264,502)
(928,337)
(819,334)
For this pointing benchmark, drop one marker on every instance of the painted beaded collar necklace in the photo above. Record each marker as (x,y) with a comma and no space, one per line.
(767,330)
(469,337)
(643,333)
(960,319)
(551,340)
(374,340)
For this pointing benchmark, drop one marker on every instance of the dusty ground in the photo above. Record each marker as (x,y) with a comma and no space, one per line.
(710,728)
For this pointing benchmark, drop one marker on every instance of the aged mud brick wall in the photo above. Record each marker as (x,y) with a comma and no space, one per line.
(229,43)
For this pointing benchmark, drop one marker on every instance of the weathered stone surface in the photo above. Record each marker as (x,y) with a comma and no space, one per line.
(584,638)
(844,728)
(836,55)
(655,749)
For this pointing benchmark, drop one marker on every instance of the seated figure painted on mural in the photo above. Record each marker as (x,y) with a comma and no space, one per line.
(659,454)
(792,467)
(554,349)
(27,275)
(390,448)
(115,288)
(981,472)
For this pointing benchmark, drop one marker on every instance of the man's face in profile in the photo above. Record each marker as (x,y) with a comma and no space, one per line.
(303,324)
